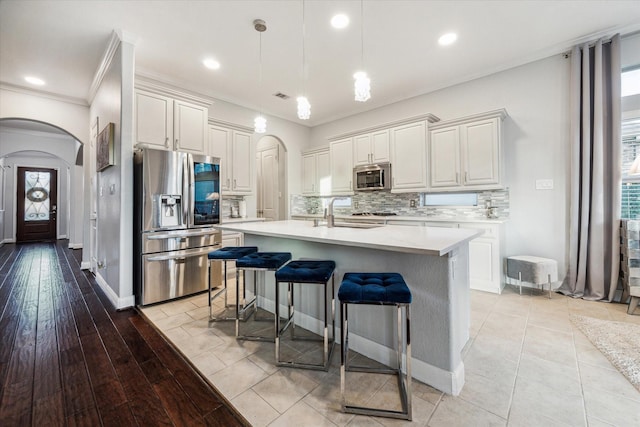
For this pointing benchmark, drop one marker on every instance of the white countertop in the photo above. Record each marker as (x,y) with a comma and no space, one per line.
(239,220)
(420,240)
(382,219)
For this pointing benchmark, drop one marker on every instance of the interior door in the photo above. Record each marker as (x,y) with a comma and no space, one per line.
(268,184)
(37,204)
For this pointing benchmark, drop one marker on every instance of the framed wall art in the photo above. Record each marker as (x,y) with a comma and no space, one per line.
(104,152)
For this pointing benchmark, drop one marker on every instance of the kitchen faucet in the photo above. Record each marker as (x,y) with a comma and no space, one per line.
(329,215)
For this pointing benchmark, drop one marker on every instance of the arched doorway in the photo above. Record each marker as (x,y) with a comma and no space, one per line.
(27,146)
(271,181)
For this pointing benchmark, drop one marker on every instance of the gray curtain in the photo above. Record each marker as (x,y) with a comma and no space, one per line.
(594,242)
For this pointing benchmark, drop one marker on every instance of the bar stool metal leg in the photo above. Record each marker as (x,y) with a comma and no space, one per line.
(378,289)
(307,272)
(257,262)
(224,255)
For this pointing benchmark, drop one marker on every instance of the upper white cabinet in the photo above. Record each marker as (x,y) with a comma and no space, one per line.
(371,148)
(164,122)
(316,173)
(467,153)
(409,157)
(403,143)
(233,146)
(341,166)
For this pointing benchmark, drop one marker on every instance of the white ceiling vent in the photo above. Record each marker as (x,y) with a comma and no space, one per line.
(281,95)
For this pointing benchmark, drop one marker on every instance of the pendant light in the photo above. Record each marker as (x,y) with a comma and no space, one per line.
(304,108)
(362,84)
(260,123)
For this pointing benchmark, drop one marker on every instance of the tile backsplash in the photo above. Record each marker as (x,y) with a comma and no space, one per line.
(385,201)
(229,202)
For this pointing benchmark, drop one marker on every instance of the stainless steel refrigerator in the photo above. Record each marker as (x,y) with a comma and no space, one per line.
(176,204)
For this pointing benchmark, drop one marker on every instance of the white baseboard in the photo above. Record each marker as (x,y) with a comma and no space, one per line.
(75,245)
(85,265)
(9,240)
(448,382)
(118,302)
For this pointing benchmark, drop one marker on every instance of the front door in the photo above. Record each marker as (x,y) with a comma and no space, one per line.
(36,204)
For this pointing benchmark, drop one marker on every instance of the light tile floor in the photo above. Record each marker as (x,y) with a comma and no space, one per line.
(526,365)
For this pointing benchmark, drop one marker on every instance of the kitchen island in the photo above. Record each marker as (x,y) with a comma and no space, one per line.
(433,262)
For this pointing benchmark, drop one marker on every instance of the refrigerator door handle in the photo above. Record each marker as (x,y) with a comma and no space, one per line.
(187,189)
(183,234)
(182,255)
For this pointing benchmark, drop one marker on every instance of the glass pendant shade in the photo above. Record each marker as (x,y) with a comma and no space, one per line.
(260,124)
(304,108)
(362,86)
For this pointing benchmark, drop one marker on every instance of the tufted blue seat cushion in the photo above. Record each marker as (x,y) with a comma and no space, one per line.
(303,271)
(374,288)
(266,260)
(232,252)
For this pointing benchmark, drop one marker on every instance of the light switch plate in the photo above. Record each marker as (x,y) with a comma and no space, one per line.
(544,184)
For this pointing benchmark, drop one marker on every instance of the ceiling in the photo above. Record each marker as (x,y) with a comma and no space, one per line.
(63,42)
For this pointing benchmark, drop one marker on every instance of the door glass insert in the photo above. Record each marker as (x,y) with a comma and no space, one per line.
(36,200)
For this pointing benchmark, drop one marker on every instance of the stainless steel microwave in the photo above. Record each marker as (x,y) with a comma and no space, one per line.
(372,177)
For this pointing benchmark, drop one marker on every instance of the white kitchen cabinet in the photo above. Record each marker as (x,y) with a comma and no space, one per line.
(466,153)
(409,157)
(166,123)
(485,254)
(444,156)
(371,148)
(485,272)
(233,146)
(316,173)
(341,166)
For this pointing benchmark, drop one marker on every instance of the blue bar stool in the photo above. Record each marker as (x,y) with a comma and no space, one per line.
(307,272)
(377,289)
(226,254)
(257,261)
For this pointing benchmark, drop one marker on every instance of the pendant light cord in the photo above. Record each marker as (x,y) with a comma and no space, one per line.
(362,34)
(304,92)
(260,73)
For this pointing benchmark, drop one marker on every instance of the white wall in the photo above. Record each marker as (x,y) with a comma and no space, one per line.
(28,148)
(70,115)
(536,135)
(2,199)
(113,103)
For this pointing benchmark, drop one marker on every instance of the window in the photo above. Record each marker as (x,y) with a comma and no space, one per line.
(451,199)
(630,183)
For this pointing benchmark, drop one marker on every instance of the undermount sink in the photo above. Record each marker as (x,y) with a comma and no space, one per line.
(356,225)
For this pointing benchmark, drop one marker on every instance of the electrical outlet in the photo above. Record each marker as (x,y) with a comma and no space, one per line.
(544,184)
(412,203)
(355,205)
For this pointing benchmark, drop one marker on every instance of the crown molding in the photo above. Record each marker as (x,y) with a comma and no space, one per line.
(117,37)
(222,123)
(501,114)
(43,94)
(162,88)
(430,118)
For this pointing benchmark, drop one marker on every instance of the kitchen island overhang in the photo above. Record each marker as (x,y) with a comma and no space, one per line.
(433,262)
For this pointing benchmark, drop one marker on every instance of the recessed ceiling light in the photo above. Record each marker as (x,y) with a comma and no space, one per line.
(340,21)
(211,64)
(447,39)
(34,80)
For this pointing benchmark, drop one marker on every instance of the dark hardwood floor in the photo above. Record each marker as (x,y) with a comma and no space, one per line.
(67,357)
